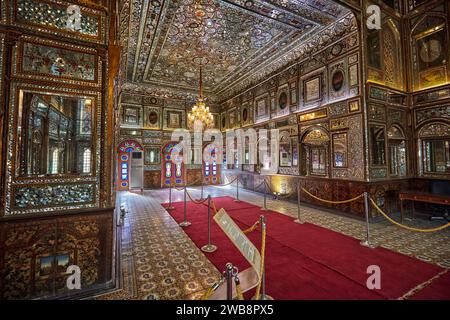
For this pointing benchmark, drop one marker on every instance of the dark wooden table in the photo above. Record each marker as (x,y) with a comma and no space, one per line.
(422,197)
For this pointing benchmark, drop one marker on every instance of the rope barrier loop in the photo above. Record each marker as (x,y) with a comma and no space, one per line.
(333,202)
(259,185)
(226,184)
(404,226)
(213,206)
(196,201)
(211,289)
(194,183)
(268,186)
(252,228)
(187,185)
(287,195)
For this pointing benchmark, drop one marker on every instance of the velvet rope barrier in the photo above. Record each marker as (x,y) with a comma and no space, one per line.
(333,202)
(252,228)
(187,185)
(405,226)
(196,201)
(226,184)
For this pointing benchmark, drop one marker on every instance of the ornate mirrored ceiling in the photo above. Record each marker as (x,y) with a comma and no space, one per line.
(166,40)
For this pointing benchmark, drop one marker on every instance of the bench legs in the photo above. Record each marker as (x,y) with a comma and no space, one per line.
(401,211)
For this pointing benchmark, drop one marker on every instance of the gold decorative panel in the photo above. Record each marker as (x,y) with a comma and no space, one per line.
(50,60)
(430,51)
(35,254)
(385,63)
(316,137)
(313,115)
(436,129)
(51,16)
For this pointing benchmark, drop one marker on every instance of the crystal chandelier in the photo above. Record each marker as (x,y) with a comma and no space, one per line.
(200,111)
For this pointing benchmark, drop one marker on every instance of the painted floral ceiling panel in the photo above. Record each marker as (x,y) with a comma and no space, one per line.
(169,39)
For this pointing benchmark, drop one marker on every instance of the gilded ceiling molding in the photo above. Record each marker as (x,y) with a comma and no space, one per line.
(326,37)
(233,37)
(158,18)
(162,91)
(124,32)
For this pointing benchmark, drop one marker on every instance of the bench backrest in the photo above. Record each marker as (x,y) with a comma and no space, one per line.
(440,187)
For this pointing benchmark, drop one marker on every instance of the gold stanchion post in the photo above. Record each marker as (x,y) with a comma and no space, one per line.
(209,247)
(170,207)
(298,220)
(201,194)
(229,279)
(185,223)
(237,189)
(263,295)
(264,208)
(366,243)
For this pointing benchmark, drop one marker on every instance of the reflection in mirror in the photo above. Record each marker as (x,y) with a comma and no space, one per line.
(340,150)
(436,156)
(374,49)
(378,145)
(152,155)
(294,154)
(55,134)
(318,157)
(397,152)
(315,150)
(285,150)
(246,150)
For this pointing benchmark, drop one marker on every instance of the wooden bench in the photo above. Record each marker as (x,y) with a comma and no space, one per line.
(422,197)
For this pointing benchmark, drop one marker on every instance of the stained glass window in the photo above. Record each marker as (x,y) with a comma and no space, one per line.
(206,168)
(87,161)
(55,156)
(168,170)
(178,170)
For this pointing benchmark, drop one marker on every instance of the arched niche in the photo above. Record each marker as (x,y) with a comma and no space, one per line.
(397,151)
(315,145)
(384,54)
(434,148)
(377,143)
(285,149)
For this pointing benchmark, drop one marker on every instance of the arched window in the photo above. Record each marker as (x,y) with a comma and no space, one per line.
(434,140)
(55,160)
(315,150)
(397,151)
(87,161)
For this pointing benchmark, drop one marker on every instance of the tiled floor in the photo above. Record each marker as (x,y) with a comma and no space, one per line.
(159,261)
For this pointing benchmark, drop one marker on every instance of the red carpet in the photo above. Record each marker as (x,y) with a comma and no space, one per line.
(310,262)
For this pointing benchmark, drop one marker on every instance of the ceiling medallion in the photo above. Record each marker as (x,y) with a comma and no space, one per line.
(200,60)
(200,112)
